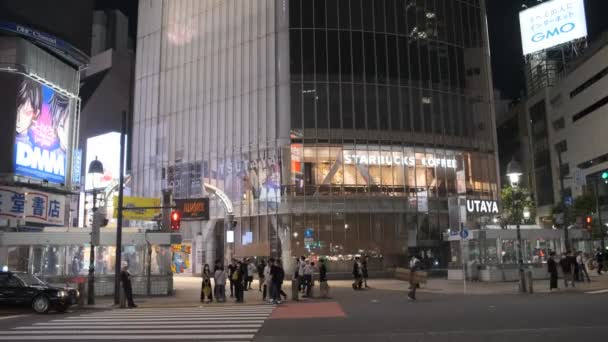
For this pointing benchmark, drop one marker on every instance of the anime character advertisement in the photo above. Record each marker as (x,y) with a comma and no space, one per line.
(42,132)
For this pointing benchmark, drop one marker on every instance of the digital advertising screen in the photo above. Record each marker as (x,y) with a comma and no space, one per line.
(552,23)
(42,132)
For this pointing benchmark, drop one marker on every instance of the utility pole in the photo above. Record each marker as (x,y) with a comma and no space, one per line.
(563,199)
(121,181)
(599,212)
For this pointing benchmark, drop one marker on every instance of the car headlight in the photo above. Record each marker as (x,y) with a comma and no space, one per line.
(77,294)
(62,294)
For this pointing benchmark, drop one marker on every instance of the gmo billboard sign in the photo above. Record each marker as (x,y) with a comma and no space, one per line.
(552,23)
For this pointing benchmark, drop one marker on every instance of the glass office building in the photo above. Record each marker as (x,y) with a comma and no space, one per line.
(336,127)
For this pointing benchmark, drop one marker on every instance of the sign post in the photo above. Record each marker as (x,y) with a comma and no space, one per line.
(464,235)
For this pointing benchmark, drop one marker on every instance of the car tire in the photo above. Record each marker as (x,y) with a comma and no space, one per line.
(41,304)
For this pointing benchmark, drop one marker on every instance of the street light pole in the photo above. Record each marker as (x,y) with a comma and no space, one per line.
(91,290)
(514,172)
(96,167)
(121,181)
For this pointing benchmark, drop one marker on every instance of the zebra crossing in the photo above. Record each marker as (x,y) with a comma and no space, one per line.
(211,323)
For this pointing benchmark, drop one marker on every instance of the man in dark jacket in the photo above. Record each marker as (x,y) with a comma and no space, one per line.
(245,273)
(278,275)
(599,257)
(323,286)
(231,269)
(125,278)
(552,269)
(357,274)
(567,266)
(261,267)
(239,282)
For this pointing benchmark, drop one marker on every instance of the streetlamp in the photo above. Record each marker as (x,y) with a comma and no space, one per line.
(95,168)
(514,173)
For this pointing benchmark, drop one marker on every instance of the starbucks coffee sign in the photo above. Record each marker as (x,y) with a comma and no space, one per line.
(482,206)
(396,159)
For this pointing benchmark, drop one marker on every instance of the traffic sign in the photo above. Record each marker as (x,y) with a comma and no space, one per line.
(464,234)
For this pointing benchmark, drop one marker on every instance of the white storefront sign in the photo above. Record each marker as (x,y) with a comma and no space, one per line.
(552,23)
(32,206)
(482,206)
(396,159)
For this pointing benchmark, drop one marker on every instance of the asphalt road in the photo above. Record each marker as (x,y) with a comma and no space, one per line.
(373,315)
(389,316)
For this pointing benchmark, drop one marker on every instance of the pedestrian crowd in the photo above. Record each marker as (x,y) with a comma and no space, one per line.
(239,274)
(574,267)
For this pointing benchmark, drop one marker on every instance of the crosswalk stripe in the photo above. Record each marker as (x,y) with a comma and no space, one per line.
(130,323)
(149,327)
(126,337)
(174,331)
(204,324)
(597,292)
(202,315)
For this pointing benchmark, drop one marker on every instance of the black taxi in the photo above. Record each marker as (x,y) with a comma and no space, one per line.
(26,289)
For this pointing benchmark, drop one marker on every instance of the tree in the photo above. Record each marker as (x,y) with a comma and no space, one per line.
(514,201)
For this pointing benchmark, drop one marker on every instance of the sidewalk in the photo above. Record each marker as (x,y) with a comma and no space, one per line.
(187,290)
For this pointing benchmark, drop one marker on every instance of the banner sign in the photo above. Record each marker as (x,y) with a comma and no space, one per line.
(194,209)
(32,206)
(552,23)
(138,202)
(42,132)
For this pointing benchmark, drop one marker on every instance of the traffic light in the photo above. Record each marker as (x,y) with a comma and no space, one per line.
(176,219)
(588,222)
(605,176)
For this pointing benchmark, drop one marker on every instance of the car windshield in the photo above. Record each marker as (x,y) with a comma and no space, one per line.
(29,279)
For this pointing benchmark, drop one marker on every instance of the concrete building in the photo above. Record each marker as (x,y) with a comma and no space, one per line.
(336,128)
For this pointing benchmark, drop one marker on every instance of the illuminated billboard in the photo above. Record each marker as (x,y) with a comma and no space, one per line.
(552,23)
(106,148)
(42,132)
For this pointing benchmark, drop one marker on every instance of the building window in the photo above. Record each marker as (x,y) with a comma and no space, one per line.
(559,124)
(589,82)
(590,109)
(561,146)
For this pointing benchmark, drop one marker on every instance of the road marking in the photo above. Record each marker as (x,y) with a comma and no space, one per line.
(11,317)
(244,337)
(597,292)
(204,324)
(149,327)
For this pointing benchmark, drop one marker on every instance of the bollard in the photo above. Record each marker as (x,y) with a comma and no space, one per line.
(529,281)
(123,297)
(82,290)
(295,289)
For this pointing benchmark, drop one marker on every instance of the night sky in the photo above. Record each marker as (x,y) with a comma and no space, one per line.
(505,44)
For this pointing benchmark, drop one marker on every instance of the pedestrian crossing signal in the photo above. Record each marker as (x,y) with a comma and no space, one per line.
(588,220)
(175,220)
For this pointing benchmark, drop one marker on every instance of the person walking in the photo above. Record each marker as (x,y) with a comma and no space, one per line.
(414,267)
(581,261)
(231,269)
(245,274)
(323,285)
(277,274)
(281,275)
(301,281)
(251,271)
(575,269)
(237,278)
(267,279)
(308,270)
(552,269)
(357,274)
(125,278)
(364,273)
(261,275)
(206,295)
(566,266)
(220,284)
(599,257)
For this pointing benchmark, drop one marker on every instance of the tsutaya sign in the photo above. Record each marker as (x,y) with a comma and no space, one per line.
(351,157)
(482,206)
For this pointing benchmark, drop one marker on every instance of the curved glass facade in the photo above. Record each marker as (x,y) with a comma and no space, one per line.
(366,144)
